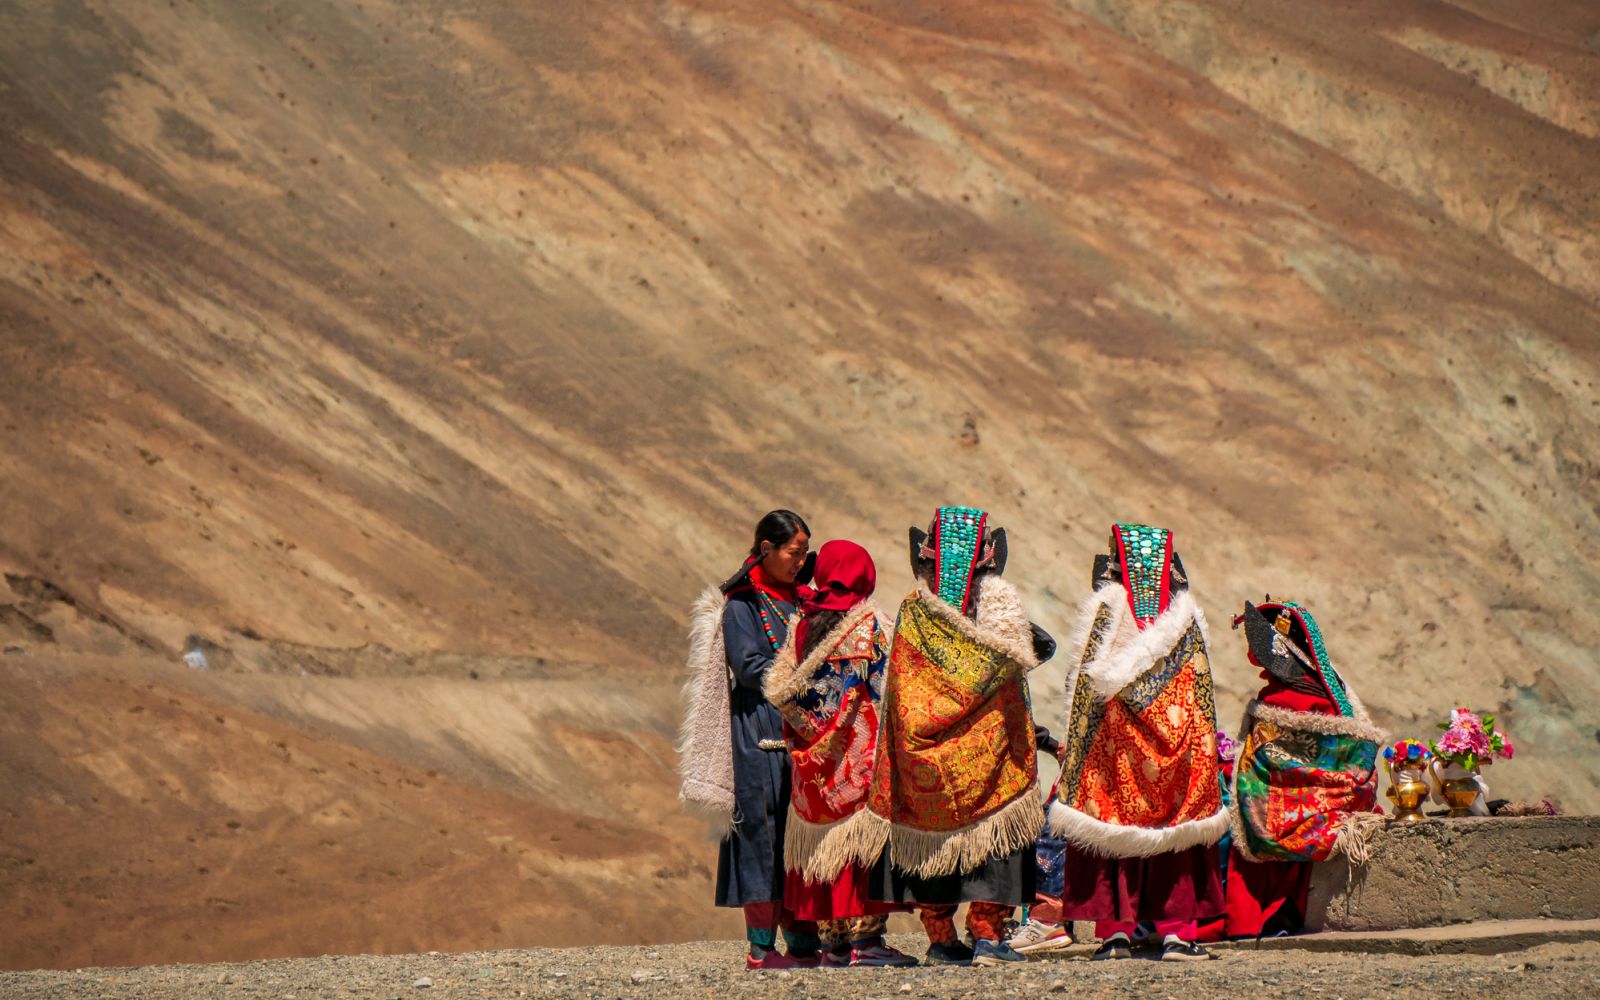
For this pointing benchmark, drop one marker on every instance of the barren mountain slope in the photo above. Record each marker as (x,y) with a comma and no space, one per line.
(192,817)
(378,338)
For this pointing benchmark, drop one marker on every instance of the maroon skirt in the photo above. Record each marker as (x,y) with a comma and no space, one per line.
(1181,885)
(844,897)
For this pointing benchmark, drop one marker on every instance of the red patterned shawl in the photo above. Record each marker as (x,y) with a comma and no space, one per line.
(830,713)
(1139,769)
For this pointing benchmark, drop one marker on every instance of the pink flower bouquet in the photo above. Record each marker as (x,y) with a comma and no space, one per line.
(1470,741)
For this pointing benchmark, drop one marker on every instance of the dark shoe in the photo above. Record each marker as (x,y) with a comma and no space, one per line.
(878,955)
(993,953)
(1112,949)
(1184,951)
(838,958)
(953,953)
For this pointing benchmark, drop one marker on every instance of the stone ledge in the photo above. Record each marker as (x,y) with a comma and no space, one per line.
(1453,871)
(1488,937)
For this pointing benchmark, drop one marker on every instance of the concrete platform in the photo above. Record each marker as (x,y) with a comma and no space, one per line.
(1488,937)
(1454,871)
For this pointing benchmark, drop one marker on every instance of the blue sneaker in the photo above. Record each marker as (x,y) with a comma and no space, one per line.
(995,953)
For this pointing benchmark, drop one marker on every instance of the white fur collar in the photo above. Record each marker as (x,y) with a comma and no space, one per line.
(1110,840)
(1002,625)
(1360,727)
(785,678)
(1126,652)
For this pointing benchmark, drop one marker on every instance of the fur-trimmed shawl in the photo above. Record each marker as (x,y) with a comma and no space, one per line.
(1113,660)
(828,831)
(1001,623)
(989,658)
(1355,831)
(705,740)
(786,679)
(1128,651)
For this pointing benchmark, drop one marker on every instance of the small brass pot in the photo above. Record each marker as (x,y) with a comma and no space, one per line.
(1408,793)
(1460,793)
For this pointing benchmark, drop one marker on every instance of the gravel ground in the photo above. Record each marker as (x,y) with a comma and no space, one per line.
(713,969)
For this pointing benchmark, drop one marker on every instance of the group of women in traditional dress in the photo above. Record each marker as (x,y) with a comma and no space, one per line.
(853,775)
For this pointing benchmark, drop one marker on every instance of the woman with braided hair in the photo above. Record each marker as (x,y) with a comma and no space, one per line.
(731,754)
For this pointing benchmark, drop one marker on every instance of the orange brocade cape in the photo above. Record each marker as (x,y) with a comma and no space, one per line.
(956,779)
(1139,768)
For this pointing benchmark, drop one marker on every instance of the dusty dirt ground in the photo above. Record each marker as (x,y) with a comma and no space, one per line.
(713,969)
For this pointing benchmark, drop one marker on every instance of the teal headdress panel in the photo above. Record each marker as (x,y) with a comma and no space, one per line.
(957,546)
(1146,557)
(1319,654)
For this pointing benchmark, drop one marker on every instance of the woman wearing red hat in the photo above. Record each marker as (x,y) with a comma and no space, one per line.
(827,682)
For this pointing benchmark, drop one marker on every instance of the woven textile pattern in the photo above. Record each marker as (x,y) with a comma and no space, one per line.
(1083,722)
(1296,787)
(957,743)
(833,726)
(1148,758)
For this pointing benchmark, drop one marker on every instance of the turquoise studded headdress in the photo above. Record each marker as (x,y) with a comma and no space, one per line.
(1146,557)
(957,543)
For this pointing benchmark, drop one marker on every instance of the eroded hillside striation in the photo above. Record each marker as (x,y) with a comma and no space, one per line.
(418,333)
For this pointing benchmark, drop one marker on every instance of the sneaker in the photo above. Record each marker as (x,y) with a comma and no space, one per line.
(836,958)
(1113,948)
(1184,951)
(993,953)
(771,959)
(811,961)
(1037,938)
(880,954)
(951,953)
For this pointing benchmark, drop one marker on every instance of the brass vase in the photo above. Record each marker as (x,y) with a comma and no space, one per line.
(1407,791)
(1460,793)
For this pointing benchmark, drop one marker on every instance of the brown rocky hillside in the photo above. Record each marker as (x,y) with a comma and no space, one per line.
(442,352)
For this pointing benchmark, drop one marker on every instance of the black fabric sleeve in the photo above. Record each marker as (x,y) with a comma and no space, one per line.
(749,652)
(1045,742)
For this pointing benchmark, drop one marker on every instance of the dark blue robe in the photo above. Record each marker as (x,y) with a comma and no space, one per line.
(750,863)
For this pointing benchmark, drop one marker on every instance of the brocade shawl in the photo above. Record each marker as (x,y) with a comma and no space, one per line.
(1306,783)
(1139,768)
(956,778)
(829,704)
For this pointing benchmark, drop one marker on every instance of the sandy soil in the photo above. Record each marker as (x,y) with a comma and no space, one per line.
(713,969)
(169,815)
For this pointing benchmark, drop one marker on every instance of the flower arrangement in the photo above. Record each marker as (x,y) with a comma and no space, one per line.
(1227,746)
(1409,755)
(1470,741)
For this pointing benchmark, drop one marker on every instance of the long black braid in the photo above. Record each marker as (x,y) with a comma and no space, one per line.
(821,625)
